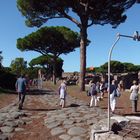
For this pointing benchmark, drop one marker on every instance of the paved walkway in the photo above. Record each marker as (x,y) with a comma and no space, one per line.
(71,123)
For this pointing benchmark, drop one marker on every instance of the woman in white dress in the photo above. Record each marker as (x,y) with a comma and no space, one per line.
(63,93)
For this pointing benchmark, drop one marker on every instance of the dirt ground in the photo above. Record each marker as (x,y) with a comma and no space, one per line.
(6,99)
(37,131)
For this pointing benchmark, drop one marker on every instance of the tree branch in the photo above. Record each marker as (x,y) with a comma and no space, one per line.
(90,24)
(45,19)
(69,17)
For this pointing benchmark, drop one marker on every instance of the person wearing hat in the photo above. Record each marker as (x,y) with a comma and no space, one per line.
(134,95)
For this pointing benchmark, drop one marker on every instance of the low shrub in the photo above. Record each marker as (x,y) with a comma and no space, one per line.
(7,80)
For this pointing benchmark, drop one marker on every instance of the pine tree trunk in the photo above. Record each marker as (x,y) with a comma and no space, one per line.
(54,70)
(83,43)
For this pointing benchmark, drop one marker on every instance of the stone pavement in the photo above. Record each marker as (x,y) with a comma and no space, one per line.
(74,122)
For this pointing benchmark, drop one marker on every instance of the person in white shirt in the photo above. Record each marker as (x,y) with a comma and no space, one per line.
(134,95)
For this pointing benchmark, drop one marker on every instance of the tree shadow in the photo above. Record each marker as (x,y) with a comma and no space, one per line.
(38,109)
(7,91)
(132,114)
(117,108)
(104,108)
(40,92)
(74,105)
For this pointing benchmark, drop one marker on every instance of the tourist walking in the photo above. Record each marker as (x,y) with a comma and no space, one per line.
(93,93)
(62,93)
(113,88)
(21,89)
(134,95)
(103,88)
(98,91)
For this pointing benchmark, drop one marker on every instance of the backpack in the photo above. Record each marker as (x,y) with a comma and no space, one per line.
(93,90)
(116,93)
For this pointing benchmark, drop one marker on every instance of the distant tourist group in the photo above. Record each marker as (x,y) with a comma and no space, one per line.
(98,89)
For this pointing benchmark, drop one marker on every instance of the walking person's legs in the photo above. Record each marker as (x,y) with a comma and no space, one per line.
(133,105)
(23,98)
(102,94)
(21,101)
(62,103)
(95,100)
(112,103)
(136,105)
(91,101)
(19,96)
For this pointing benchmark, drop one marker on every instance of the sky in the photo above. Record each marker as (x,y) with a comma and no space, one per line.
(12,27)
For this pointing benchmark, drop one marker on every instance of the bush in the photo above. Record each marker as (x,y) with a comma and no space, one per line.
(7,80)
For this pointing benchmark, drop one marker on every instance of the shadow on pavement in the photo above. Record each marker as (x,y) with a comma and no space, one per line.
(40,92)
(74,105)
(132,114)
(40,109)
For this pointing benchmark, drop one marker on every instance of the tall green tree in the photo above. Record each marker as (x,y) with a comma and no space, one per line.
(46,61)
(50,40)
(18,66)
(83,13)
(116,67)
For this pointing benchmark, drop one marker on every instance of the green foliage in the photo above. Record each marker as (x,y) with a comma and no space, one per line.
(18,66)
(53,40)
(99,70)
(128,67)
(118,67)
(32,72)
(96,12)
(43,60)
(46,61)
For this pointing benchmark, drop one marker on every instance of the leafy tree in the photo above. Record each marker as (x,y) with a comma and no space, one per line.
(137,68)
(18,66)
(116,67)
(43,60)
(32,72)
(129,67)
(99,70)
(46,62)
(83,13)
(50,40)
